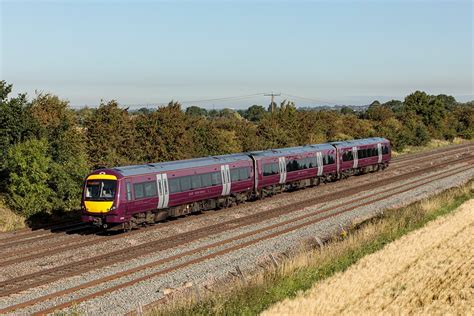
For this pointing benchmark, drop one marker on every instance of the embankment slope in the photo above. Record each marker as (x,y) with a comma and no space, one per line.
(429,271)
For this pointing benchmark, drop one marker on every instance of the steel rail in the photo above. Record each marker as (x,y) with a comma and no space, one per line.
(394,191)
(50,248)
(20,283)
(431,178)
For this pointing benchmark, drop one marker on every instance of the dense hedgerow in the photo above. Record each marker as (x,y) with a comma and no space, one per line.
(46,147)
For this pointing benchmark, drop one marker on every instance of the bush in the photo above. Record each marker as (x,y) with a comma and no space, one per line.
(27,184)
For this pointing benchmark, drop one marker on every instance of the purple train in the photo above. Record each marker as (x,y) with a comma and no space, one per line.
(126,197)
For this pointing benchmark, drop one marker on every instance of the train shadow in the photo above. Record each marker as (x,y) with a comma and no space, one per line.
(60,222)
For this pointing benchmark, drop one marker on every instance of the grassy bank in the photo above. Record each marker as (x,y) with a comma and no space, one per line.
(9,221)
(433,144)
(302,271)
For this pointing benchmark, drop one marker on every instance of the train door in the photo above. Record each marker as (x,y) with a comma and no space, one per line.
(319,161)
(128,194)
(282,169)
(163,190)
(354,155)
(379,150)
(225,175)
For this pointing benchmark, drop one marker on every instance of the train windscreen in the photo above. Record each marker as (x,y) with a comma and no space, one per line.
(100,190)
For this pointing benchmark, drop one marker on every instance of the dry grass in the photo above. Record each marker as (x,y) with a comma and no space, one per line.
(433,144)
(9,221)
(313,264)
(429,271)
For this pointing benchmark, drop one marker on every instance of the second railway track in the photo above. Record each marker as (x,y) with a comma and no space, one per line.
(85,234)
(319,215)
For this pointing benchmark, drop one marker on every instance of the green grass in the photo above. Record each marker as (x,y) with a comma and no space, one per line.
(300,273)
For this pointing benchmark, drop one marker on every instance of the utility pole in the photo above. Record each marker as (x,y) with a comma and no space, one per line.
(273,95)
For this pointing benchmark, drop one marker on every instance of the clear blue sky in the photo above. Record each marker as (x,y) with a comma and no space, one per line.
(148,52)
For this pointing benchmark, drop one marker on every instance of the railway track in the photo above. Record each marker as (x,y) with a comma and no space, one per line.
(76,242)
(71,226)
(442,150)
(49,246)
(42,234)
(295,223)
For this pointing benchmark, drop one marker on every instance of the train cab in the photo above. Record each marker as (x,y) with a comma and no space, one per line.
(100,200)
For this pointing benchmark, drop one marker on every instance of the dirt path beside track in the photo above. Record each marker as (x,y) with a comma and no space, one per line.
(429,271)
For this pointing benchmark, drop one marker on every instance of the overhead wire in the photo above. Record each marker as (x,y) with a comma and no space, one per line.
(248,96)
(309,99)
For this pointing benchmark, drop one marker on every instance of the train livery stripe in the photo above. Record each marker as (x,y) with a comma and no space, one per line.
(354,155)
(282,169)
(225,175)
(319,160)
(160,190)
(166,190)
(163,190)
(101,177)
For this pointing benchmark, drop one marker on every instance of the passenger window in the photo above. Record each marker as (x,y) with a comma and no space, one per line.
(206,180)
(275,168)
(150,189)
(266,170)
(325,160)
(216,178)
(289,166)
(185,183)
(302,164)
(293,165)
(270,169)
(138,188)
(196,181)
(174,185)
(234,175)
(348,156)
(244,173)
(331,159)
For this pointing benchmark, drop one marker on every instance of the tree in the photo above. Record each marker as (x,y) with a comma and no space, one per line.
(66,147)
(195,111)
(255,113)
(110,137)
(462,120)
(27,186)
(395,105)
(16,122)
(345,110)
(173,128)
(375,103)
(209,139)
(393,130)
(379,113)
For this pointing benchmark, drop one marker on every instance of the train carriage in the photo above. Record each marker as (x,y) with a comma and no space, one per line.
(296,167)
(148,193)
(362,155)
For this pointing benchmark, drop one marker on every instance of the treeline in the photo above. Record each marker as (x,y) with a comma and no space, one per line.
(47,147)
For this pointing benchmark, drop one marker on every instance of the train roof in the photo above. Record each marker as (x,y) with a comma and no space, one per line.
(291,150)
(359,142)
(179,164)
